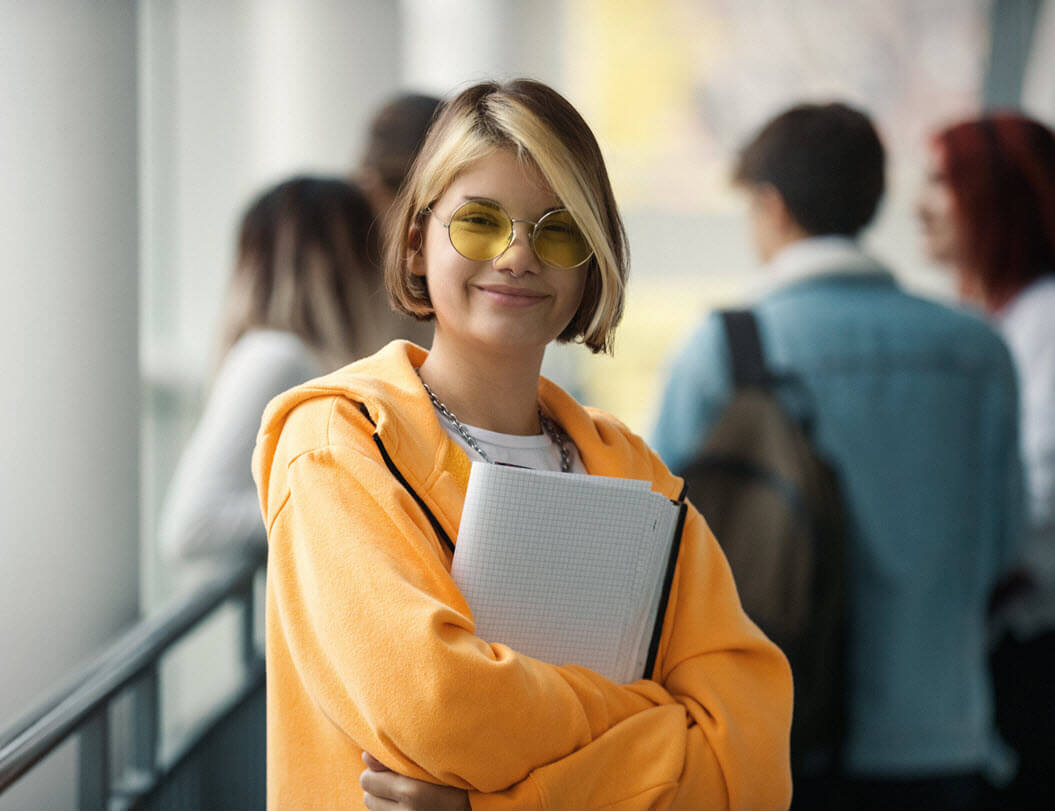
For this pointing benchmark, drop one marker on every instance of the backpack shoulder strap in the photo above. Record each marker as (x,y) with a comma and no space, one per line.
(745,348)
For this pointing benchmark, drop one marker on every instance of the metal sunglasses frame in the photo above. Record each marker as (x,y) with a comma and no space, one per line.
(512,231)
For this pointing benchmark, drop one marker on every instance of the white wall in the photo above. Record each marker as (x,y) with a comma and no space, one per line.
(69,481)
(449,44)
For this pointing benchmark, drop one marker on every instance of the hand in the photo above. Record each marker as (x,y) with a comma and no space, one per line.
(385,789)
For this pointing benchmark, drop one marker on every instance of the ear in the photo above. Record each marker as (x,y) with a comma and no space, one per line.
(775,210)
(768,217)
(416,249)
(769,205)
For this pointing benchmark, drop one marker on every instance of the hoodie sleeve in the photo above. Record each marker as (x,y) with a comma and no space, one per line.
(382,641)
(718,734)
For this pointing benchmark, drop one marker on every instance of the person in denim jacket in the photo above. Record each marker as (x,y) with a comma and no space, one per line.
(915,405)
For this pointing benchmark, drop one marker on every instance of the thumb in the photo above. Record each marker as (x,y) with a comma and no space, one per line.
(373,764)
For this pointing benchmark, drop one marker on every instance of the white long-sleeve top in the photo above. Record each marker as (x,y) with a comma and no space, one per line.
(211,507)
(1028,326)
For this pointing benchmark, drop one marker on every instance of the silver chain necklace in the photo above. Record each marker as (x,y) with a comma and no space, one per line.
(548,426)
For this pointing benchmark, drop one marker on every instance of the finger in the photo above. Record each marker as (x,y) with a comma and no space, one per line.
(373,763)
(380,784)
(373,802)
(441,797)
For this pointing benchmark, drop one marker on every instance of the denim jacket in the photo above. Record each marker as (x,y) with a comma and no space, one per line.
(915,405)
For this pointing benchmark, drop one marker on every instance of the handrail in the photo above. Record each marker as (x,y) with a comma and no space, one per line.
(36,733)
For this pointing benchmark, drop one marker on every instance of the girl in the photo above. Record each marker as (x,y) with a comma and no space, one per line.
(507,235)
(988,211)
(304,298)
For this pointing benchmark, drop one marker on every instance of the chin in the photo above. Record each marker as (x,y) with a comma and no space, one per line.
(933,251)
(513,341)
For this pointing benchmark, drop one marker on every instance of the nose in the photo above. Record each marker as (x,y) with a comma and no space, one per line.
(519,257)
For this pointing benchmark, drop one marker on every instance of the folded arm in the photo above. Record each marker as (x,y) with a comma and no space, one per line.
(716,737)
(718,733)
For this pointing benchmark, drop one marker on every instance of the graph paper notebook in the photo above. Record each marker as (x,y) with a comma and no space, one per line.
(567,568)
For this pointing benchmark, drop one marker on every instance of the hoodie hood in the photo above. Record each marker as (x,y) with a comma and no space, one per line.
(398,418)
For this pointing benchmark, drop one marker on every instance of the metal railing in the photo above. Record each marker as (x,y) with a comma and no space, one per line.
(80,704)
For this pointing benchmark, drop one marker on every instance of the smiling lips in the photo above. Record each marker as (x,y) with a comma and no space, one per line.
(511,296)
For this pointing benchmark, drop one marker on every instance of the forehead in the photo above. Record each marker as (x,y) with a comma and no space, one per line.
(516,184)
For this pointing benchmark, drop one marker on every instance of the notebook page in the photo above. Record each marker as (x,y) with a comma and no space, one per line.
(554,565)
(644,574)
(658,552)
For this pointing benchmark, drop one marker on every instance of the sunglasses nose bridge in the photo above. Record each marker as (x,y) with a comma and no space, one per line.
(529,234)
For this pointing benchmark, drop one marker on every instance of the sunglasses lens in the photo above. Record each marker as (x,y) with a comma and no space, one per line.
(480,230)
(559,242)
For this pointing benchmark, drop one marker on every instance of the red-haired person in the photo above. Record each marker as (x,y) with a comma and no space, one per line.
(988,211)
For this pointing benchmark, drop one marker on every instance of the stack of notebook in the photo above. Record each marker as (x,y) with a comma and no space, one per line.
(568,568)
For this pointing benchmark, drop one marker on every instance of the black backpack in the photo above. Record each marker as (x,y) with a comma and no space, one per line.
(774,506)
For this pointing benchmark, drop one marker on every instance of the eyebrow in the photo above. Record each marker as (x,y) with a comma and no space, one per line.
(466,198)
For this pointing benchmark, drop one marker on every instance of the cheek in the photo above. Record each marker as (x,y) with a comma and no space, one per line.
(446,293)
(945,226)
(933,209)
(431,250)
(575,289)
(942,205)
(941,227)
(939,206)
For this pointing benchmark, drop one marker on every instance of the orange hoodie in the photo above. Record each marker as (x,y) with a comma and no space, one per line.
(370,644)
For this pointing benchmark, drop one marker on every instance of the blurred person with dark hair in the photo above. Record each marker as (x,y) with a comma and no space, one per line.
(914,405)
(305,297)
(396,133)
(987,209)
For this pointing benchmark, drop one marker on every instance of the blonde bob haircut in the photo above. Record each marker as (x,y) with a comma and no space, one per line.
(542,128)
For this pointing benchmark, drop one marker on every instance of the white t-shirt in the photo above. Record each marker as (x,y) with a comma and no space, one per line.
(538,451)
(1027,327)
